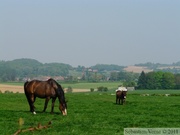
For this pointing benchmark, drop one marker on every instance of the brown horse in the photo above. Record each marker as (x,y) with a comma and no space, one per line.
(121,96)
(45,89)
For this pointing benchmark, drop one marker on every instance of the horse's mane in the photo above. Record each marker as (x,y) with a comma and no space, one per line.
(58,89)
(57,86)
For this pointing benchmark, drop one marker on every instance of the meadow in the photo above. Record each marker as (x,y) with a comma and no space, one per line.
(77,85)
(92,113)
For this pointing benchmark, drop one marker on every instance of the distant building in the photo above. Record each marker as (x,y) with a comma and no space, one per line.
(130,88)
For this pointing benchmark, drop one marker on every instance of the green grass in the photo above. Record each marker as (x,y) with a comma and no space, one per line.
(109,85)
(81,85)
(151,92)
(91,113)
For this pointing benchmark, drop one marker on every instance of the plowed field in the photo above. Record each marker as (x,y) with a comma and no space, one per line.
(20,89)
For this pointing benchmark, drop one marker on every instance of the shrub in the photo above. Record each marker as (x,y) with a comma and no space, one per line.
(105,89)
(69,89)
(7,92)
(92,89)
(101,89)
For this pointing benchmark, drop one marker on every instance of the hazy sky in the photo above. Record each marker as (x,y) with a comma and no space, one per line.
(90,32)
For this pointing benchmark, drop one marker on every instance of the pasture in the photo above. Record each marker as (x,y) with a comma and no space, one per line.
(76,85)
(91,113)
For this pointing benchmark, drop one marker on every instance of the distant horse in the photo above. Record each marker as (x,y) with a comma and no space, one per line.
(45,89)
(121,96)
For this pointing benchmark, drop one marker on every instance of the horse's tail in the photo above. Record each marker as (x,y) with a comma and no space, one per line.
(25,90)
(25,86)
(26,93)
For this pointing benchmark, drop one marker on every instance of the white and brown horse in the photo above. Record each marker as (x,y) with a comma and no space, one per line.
(121,95)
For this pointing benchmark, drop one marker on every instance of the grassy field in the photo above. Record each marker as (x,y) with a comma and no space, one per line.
(81,85)
(92,113)
(109,85)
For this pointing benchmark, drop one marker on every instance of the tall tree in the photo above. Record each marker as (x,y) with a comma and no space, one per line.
(177,81)
(150,80)
(168,81)
(158,79)
(142,81)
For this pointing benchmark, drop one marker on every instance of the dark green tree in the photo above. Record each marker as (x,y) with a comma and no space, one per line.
(154,80)
(150,80)
(168,81)
(158,79)
(142,81)
(177,81)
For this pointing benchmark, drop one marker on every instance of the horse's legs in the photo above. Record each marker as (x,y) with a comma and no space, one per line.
(46,103)
(52,107)
(117,100)
(32,99)
(124,101)
(33,103)
(29,102)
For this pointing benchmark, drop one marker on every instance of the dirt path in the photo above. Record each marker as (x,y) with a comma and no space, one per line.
(20,89)
(11,88)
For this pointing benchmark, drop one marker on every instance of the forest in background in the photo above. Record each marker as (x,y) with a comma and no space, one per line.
(24,69)
(30,68)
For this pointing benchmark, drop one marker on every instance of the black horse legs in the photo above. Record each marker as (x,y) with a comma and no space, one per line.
(120,101)
(52,107)
(46,103)
(117,100)
(31,100)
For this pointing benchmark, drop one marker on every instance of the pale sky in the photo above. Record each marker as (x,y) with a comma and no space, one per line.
(90,32)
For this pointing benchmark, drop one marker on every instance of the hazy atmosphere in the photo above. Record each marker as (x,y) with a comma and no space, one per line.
(90,32)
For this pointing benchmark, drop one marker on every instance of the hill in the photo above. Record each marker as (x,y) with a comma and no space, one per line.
(30,68)
(22,68)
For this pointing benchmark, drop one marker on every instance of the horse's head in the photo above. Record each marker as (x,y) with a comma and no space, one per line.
(62,102)
(124,94)
(60,95)
(63,108)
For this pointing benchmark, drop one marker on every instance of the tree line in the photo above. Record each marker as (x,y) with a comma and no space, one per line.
(22,68)
(158,80)
(29,68)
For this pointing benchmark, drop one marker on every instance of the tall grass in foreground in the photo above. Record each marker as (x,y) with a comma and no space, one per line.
(90,113)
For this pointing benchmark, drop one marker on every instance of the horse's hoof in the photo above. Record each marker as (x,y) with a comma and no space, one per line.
(34,112)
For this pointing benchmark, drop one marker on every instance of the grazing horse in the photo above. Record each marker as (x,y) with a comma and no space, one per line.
(45,89)
(120,96)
